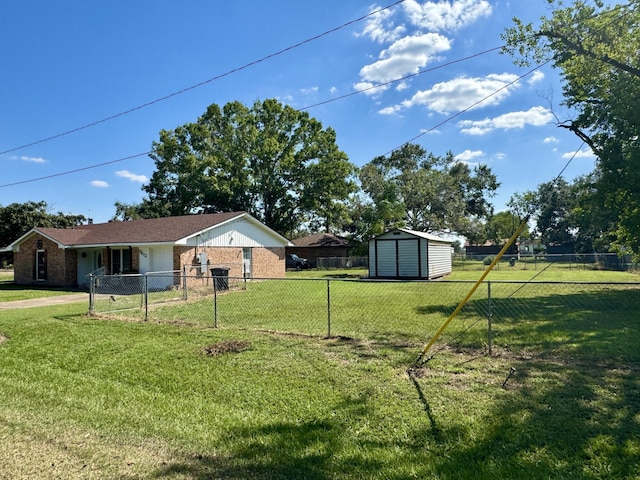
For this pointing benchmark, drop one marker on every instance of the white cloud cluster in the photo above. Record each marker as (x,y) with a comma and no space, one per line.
(535,116)
(132,176)
(446,15)
(584,153)
(461,92)
(407,53)
(405,56)
(99,184)
(30,159)
(468,155)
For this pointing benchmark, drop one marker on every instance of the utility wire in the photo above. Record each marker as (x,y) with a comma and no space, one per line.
(75,170)
(390,82)
(475,55)
(205,82)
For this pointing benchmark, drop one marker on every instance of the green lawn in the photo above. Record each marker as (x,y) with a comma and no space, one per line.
(9,291)
(85,397)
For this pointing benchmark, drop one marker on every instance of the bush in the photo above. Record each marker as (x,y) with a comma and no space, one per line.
(488,260)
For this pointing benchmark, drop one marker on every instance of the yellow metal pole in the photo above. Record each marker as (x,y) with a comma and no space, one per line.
(472,291)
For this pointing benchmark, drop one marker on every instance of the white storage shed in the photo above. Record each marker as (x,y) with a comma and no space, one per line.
(408,254)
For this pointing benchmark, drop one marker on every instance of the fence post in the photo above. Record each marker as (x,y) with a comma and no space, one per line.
(328,308)
(184,283)
(92,293)
(146,297)
(215,303)
(489,315)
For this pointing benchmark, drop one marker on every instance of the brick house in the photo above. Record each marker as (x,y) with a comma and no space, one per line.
(320,245)
(66,256)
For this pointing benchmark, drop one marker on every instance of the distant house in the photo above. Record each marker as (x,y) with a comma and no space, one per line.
(408,254)
(320,245)
(66,256)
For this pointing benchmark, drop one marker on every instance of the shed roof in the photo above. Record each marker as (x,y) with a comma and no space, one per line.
(416,233)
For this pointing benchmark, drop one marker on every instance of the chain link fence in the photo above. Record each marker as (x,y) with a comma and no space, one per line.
(511,315)
(582,261)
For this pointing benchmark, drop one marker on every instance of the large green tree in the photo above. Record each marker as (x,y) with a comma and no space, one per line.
(596,49)
(271,160)
(413,188)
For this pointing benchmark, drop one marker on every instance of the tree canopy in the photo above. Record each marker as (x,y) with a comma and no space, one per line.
(418,190)
(271,160)
(596,48)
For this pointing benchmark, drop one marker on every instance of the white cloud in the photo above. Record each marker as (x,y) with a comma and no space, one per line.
(380,28)
(535,116)
(405,56)
(369,88)
(390,110)
(468,155)
(333,90)
(446,15)
(462,92)
(537,76)
(132,176)
(309,90)
(99,184)
(30,159)
(584,153)
(551,140)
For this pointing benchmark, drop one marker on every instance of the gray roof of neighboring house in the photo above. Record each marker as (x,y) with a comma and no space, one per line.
(321,240)
(152,230)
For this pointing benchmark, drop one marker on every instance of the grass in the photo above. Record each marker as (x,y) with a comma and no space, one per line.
(85,397)
(9,291)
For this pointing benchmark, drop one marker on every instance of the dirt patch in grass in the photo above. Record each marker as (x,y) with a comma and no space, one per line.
(227,346)
(2,339)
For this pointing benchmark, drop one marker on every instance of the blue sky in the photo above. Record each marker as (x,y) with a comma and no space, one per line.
(70,64)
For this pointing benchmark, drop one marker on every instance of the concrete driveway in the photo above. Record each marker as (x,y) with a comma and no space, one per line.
(46,301)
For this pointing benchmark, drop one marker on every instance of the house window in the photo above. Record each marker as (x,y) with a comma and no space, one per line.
(120,260)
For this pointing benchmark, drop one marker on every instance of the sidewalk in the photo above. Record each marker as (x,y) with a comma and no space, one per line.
(46,301)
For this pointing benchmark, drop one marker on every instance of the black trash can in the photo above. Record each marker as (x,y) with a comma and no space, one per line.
(220,278)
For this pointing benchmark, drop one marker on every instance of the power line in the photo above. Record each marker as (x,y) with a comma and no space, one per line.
(75,170)
(205,82)
(390,82)
(342,97)
(448,119)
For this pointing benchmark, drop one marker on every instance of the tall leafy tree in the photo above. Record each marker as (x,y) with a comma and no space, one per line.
(413,188)
(596,49)
(271,160)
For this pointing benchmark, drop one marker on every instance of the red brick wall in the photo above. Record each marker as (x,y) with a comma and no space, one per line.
(62,265)
(266,262)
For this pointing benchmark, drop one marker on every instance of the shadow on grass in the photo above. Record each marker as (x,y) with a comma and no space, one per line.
(595,323)
(581,427)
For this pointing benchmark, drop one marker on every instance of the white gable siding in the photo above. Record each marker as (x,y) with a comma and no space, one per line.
(237,233)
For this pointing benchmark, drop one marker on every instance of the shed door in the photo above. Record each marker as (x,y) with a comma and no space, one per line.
(386,258)
(408,258)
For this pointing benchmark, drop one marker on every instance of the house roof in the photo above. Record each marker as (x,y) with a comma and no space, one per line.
(152,230)
(321,240)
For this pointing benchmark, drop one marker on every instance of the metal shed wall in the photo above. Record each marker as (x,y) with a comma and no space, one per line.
(407,254)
